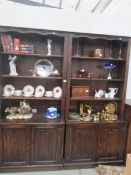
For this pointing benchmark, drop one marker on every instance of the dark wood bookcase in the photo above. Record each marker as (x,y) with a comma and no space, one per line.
(62,143)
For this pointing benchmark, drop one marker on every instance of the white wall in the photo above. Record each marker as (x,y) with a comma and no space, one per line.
(13,14)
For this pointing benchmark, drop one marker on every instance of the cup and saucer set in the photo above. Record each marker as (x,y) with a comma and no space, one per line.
(30,91)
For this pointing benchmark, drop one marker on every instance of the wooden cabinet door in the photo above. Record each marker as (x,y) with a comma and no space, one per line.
(47,144)
(111,142)
(16,144)
(1,143)
(81,141)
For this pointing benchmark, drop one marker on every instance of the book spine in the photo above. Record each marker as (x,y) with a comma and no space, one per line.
(3,43)
(26,45)
(6,43)
(27,51)
(10,41)
(16,45)
(27,48)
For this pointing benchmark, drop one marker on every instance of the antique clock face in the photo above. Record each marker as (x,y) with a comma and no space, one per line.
(111,108)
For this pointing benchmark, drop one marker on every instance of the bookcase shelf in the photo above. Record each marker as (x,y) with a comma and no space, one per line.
(33,55)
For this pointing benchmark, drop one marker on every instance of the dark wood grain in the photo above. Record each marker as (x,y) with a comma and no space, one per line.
(47,144)
(16,145)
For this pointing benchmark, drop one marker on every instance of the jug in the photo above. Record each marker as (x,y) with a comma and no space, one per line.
(112,92)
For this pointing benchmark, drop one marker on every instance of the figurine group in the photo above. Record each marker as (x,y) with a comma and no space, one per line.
(21,112)
(105,115)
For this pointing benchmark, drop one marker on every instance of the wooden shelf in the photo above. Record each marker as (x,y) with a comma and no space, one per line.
(33,55)
(39,119)
(69,121)
(22,76)
(96,79)
(30,98)
(95,58)
(95,99)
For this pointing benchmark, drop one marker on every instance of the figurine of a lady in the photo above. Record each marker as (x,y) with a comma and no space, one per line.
(12,65)
(49,46)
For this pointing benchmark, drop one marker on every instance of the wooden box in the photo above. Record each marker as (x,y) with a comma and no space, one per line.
(80,91)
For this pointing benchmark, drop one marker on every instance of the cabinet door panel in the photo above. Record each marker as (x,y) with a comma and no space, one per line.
(47,144)
(80,143)
(16,145)
(1,143)
(111,142)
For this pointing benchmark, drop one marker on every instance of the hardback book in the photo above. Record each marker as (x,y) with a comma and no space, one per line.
(3,43)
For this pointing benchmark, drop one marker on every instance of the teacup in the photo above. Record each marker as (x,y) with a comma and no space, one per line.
(38,94)
(48,93)
(27,94)
(18,92)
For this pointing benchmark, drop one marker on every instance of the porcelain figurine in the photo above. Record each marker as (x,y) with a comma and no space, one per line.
(24,111)
(49,46)
(12,65)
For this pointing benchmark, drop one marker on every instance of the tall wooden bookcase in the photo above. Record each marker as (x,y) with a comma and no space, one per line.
(62,142)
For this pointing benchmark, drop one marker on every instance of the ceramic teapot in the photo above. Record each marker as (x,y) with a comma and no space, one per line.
(100,93)
(112,92)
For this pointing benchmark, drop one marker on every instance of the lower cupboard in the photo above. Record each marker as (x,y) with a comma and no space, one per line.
(36,144)
(62,145)
(94,143)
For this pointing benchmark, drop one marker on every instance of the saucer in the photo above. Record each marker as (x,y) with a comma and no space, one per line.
(48,95)
(27,95)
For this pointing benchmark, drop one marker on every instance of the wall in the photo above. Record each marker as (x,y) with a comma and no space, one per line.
(13,14)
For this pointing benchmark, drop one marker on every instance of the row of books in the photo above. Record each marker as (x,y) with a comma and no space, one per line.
(7,43)
(13,45)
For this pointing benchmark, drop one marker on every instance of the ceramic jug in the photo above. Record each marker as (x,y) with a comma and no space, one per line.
(112,92)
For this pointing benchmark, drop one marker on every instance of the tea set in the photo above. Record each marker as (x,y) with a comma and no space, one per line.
(101,93)
(29,91)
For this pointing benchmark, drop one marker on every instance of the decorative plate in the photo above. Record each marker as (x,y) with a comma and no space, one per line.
(28,91)
(57,92)
(111,108)
(8,90)
(39,91)
(43,68)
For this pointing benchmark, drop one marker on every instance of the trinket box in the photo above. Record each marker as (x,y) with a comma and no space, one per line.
(78,91)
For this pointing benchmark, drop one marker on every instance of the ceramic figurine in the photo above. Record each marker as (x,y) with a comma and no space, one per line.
(49,46)
(21,112)
(12,65)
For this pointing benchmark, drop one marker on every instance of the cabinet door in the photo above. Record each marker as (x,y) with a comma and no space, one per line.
(47,144)
(80,143)
(16,145)
(1,143)
(111,142)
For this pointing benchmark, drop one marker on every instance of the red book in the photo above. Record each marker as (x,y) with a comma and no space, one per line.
(10,41)
(3,43)
(16,45)
(6,43)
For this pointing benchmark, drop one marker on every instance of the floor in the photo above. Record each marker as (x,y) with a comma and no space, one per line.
(61,172)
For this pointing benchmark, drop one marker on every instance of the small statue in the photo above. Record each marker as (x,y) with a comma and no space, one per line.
(24,108)
(12,65)
(89,110)
(24,111)
(11,111)
(49,46)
